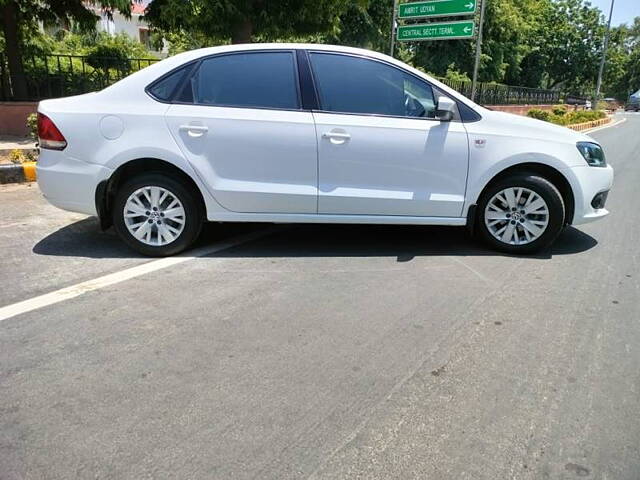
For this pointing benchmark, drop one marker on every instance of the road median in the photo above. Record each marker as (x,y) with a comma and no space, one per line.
(18,172)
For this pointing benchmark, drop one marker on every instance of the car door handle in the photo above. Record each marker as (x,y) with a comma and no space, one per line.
(194,130)
(336,135)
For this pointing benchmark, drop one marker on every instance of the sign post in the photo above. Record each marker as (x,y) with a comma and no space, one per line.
(436,31)
(594,105)
(476,65)
(437,8)
(394,20)
(464,29)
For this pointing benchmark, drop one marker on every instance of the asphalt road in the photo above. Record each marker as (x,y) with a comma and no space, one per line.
(324,352)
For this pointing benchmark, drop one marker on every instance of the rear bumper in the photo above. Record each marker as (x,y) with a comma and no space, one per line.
(68,183)
(587,183)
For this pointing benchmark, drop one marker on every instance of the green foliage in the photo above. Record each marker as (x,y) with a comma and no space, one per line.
(111,52)
(559,110)
(455,75)
(32,125)
(109,59)
(622,72)
(363,24)
(534,43)
(243,20)
(581,116)
(508,38)
(566,48)
(22,17)
(104,57)
(543,44)
(16,156)
(539,114)
(74,12)
(87,43)
(181,41)
(566,118)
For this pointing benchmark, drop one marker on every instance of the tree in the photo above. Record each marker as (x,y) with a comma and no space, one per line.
(507,39)
(615,77)
(622,70)
(20,16)
(535,43)
(569,42)
(365,25)
(243,20)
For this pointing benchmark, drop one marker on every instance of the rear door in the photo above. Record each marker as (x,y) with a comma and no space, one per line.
(238,119)
(381,150)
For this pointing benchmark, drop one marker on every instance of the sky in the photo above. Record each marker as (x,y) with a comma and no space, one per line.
(624,11)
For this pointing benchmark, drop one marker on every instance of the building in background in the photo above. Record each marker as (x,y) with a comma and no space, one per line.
(134,27)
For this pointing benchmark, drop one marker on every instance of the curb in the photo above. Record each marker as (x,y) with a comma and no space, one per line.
(23,172)
(581,127)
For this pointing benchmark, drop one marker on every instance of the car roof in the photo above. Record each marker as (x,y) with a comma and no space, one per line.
(280,46)
(147,75)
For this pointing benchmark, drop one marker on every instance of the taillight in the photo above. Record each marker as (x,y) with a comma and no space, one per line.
(48,134)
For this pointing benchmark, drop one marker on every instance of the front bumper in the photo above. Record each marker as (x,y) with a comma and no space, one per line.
(68,183)
(587,183)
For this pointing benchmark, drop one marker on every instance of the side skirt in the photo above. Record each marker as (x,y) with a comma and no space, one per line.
(326,218)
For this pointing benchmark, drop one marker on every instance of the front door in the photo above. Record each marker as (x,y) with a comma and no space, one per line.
(240,124)
(381,151)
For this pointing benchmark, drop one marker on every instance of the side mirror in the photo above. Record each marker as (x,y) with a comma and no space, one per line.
(445,111)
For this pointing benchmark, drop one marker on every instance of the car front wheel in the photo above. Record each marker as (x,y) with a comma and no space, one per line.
(520,214)
(157,215)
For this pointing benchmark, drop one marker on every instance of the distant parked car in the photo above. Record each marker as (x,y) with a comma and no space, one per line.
(310,133)
(633,104)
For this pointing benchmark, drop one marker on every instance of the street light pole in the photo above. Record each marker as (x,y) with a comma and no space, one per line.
(604,56)
(476,65)
(394,19)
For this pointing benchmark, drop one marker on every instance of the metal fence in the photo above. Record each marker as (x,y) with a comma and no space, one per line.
(497,94)
(50,76)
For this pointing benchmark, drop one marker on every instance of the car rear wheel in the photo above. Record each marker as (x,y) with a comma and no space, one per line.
(157,215)
(522,213)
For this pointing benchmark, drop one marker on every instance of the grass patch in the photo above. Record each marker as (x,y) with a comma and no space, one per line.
(560,116)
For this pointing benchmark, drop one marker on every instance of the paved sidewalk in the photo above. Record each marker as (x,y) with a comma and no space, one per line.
(10,142)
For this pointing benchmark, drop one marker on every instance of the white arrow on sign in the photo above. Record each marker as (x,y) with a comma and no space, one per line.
(467,29)
(470,5)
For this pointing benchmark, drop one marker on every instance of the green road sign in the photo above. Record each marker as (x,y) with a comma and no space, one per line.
(436,31)
(437,8)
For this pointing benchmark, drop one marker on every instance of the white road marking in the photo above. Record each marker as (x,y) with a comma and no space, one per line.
(78,289)
(615,124)
(474,271)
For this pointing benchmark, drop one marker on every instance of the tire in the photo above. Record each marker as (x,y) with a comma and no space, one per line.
(158,235)
(529,232)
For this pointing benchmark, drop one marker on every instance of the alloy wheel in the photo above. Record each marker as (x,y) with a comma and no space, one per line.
(516,216)
(154,216)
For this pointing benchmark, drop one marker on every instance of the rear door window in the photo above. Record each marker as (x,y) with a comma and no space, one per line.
(253,80)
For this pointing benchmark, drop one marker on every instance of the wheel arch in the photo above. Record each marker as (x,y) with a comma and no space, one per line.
(106,189)
(548,172)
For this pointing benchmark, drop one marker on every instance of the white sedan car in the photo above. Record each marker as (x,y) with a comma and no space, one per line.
(309,133)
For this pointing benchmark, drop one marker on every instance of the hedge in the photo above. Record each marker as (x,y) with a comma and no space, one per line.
(560,116)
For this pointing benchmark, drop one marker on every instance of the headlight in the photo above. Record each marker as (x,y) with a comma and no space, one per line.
(592,153)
